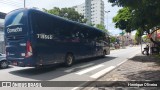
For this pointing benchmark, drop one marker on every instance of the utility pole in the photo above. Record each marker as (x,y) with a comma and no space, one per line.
(141,45)
(24,3)
(107,18)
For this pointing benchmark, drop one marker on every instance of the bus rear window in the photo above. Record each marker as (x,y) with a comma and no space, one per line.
(16,23)
(15,19)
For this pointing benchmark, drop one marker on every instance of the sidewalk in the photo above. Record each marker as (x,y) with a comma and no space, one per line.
(138,68)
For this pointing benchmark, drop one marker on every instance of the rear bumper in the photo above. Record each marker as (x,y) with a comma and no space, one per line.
(21,62)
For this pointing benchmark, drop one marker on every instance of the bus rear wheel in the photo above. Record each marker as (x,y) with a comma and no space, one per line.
(69,59)
(104,53)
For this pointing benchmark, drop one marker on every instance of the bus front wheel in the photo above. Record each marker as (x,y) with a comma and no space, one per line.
(69,59)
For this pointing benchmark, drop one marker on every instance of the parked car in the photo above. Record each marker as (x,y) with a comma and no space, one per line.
(3,61)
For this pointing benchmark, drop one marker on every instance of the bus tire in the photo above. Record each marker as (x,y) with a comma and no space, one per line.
(104,53)
(69,59)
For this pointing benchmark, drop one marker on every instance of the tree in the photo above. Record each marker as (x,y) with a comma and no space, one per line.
(113,39)
(145,39)
(55,11)
(138,35)
(68,13)
(123,19)
(101,27)
(91,24)
(145,13)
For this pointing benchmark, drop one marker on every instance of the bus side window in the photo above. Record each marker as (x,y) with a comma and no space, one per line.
(86,36)
(75,34)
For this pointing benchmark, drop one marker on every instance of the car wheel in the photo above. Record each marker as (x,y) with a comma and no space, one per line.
(4,64)
(69,60)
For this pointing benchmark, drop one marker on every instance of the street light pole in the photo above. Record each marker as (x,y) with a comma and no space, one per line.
(107,18)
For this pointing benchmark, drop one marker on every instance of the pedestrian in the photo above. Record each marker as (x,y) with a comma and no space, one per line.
(147,49)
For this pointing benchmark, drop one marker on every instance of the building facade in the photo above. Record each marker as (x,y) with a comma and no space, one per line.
(93,11)
(2,43)
(80,9)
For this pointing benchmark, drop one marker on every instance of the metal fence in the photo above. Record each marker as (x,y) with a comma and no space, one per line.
(2,47)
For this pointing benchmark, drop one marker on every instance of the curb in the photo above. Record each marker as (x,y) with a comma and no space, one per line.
(118,65)
(82,86)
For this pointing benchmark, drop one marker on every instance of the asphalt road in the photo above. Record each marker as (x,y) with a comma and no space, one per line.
(85,70)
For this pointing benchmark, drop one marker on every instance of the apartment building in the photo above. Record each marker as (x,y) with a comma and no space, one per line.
(93,10)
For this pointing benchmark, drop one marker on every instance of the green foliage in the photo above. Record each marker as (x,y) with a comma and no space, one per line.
(145,39)
(139,32)
(124,3)
(123,20)
(101,27)
(68,13)
(144,13)
(124,14)
(91,24)
(55,11)
(138,35)
(112,39)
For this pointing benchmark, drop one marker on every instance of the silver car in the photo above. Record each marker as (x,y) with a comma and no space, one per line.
(3,61)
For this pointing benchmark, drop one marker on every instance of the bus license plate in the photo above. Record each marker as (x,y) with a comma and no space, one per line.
(15,63)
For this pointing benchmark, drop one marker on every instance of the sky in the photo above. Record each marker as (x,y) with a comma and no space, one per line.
(9,5)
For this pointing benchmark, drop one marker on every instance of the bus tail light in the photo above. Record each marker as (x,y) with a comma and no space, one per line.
(28,49)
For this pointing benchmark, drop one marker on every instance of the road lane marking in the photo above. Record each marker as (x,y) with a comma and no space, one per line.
(121,63)
(75,88)
(102,72)
(74,68)
(89,69)
(79,86)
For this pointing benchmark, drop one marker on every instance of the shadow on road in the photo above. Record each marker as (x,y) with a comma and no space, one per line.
(150,68)
(139,69)
(145,75)
(56,71)
(143,58)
